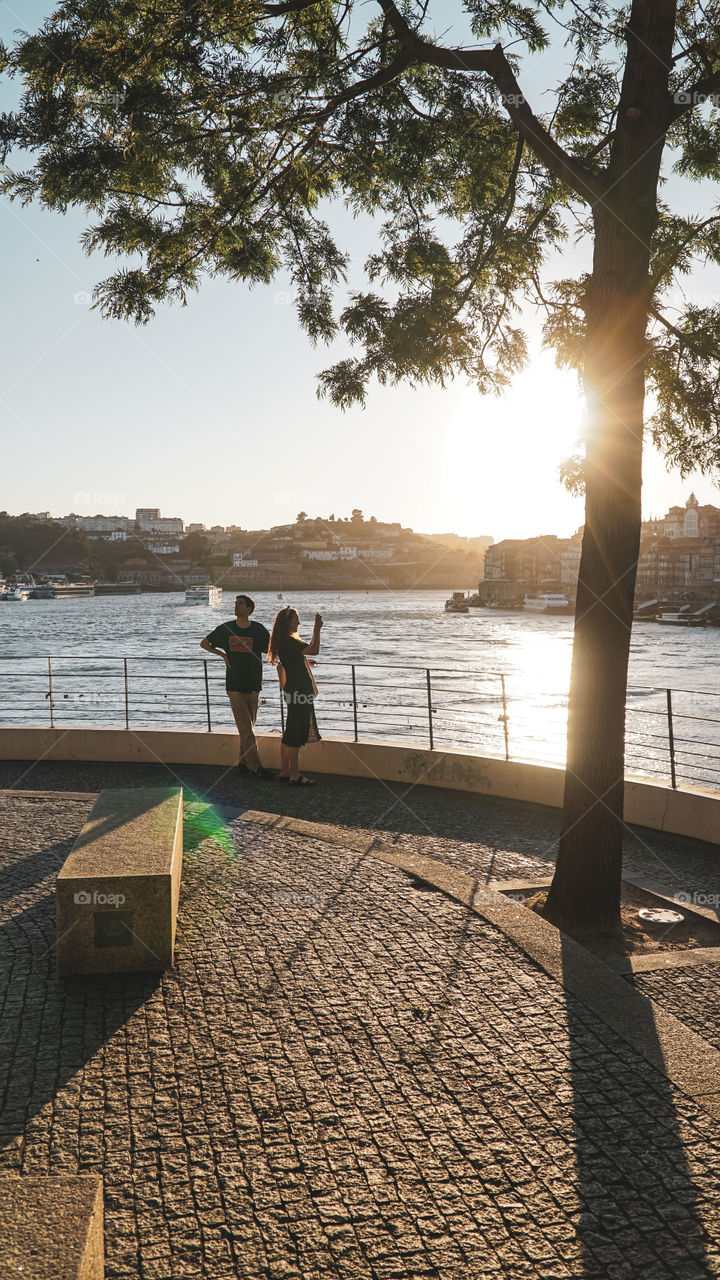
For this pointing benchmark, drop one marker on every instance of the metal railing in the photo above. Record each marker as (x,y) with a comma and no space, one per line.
(670,734)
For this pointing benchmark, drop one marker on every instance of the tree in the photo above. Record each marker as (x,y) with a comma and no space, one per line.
(301,517)
(208,137)
(356,516)
(196,547)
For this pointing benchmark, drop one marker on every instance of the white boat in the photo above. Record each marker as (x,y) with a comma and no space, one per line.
(203,595)
(674,618)
(15,592)
(547,602)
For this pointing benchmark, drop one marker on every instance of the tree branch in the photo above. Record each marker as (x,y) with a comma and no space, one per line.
(694,95)
(494,63)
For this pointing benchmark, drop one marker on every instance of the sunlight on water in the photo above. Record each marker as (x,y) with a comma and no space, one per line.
(393,639)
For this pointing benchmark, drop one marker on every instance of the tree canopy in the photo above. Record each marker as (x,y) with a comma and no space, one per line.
(208,136)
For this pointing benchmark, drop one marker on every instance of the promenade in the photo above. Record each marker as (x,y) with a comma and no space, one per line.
(351,1072)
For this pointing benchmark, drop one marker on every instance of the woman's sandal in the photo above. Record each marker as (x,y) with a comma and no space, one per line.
(302,781)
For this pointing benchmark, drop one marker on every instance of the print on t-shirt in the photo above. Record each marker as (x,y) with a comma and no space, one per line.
(240,644)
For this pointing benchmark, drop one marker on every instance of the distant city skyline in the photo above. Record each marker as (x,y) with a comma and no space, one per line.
(190,524)
(210,411)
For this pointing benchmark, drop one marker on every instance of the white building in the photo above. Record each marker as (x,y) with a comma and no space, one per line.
(320,555)
(376,553)
(195,528)
(102,524)
(149,520)
(348,553)
(239,562)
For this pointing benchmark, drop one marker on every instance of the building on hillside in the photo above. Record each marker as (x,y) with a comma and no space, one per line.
(195,528)
(163,548)
(376,553)
(692,521)
(149,520)
(102,524)
(517,565)
(670,568)
(680,554)
(239,562)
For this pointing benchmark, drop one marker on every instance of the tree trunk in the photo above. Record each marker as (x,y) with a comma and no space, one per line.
(584,896)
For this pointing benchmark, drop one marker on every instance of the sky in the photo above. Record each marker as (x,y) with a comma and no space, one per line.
(210,411)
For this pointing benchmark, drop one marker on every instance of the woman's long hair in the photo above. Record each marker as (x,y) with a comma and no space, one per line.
(281,629)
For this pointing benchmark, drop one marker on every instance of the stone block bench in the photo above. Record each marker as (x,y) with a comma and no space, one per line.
(117,894)
(51,1228)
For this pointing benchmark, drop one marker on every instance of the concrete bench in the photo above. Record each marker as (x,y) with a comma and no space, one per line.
(51,1228)
(117,894)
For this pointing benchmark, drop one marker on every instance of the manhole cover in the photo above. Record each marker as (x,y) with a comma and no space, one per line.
(660,915)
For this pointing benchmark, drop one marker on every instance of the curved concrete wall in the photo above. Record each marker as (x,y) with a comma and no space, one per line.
(693,811)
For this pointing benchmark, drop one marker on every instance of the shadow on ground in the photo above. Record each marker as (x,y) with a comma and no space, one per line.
(640,1214)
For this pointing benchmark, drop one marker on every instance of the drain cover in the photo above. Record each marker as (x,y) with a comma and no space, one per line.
(660,915)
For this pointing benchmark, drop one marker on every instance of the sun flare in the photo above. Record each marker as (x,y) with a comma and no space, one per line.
(503,454)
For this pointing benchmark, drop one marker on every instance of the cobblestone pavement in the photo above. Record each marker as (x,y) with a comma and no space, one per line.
(344,1076)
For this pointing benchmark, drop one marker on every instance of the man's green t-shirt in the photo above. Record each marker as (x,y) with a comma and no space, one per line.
(244,647)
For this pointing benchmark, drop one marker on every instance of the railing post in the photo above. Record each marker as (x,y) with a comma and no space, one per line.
(429,705)
(354,689)
(671,739)
(127,700)
(504,717)
(207,694)
(52,709)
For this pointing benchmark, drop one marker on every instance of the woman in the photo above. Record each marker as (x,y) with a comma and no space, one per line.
(287,649)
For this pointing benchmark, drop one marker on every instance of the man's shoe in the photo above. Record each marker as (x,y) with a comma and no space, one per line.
(262,773)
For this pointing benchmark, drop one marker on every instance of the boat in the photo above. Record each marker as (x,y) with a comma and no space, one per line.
(15,591)
(63,589)
(676,618)
(547,602)
(203,595)
(456,603)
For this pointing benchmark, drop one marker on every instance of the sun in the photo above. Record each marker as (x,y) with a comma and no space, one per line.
(503,453)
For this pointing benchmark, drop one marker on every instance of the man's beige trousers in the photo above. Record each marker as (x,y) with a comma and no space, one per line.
(244,709)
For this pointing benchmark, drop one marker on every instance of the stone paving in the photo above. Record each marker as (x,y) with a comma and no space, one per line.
(345,1075)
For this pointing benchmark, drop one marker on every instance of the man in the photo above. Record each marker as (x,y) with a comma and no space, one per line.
(242,643)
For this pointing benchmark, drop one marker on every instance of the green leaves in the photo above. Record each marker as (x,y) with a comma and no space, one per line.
(213,136)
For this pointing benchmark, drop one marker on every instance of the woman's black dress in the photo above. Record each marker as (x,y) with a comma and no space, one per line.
(300,723)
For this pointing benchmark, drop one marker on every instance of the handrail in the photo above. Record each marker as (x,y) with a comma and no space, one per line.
(497,714)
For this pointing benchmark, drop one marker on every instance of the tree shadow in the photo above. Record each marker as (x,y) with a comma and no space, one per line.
(639,1208)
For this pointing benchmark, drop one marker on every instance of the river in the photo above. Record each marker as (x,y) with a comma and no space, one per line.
(393,639)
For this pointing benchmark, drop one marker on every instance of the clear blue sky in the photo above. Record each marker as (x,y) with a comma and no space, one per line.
(210,412)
